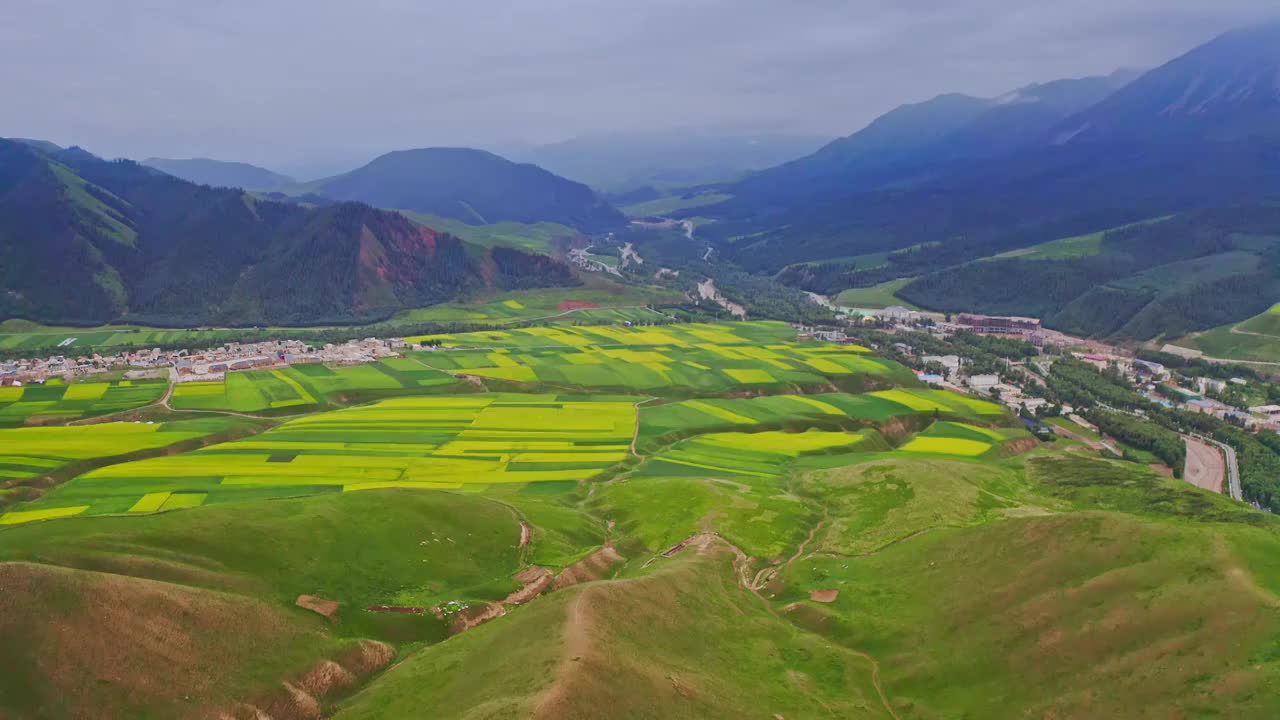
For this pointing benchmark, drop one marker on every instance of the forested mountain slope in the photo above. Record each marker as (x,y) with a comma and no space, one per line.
(88,241)
(1189,272)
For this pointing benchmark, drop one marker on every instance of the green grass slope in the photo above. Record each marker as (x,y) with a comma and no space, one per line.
(686,641)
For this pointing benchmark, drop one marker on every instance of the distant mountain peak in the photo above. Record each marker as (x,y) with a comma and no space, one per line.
(220,173)
(474,186)
(1226,89)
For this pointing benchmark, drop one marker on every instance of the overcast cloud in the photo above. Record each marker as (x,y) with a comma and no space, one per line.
(301,84)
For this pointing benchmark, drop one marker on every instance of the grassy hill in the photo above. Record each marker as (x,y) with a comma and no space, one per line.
(682,529)
(1256,339)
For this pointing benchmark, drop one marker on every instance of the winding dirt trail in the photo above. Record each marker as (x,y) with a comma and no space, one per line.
(742,569)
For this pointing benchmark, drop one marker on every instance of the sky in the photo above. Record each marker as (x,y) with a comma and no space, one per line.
(314,86)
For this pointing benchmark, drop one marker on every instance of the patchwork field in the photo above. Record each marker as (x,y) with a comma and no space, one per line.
(598,301)
(682,335)
(28,453)
(707,542)
(660,359)
(306,386)
(446,443)
(56,402)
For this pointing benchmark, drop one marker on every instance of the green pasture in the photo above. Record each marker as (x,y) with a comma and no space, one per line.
(542,237)
(56,402)
(673,203)
(1255,340)
(876,297)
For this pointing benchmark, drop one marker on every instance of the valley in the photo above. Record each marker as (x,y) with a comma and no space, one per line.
(565,362)
(512,525)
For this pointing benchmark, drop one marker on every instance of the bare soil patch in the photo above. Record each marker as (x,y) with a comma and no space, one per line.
(326,608)
(592,567)
(1205,468)
(824,596)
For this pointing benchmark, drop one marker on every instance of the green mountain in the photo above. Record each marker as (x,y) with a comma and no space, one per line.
(1190,272)
(218,173)
(83,240)
(473,186)
(1198,132)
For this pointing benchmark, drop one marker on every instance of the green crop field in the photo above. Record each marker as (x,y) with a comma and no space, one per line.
(306,385)
(58,402)
(684,521)
(702,367)
(540,237)
(672,203)
(572,304)
(30,453)
(598,300)
(458,443)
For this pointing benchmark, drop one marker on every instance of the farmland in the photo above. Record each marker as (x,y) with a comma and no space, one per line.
(691,520)
(307,386)
(598,300)
(59,402)
(447,443)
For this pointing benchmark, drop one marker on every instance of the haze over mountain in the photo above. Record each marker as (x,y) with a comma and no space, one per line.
(620,162)
(84,240)
(473,186)
(219,173)
(1147,155)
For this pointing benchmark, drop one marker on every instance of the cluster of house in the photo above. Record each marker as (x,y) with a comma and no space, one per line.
(208,364)
(1026,328)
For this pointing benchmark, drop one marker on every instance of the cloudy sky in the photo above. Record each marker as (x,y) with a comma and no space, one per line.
(306,85)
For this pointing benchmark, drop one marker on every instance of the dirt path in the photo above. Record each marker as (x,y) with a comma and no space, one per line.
(741,565)
(1205,466)
(635,435)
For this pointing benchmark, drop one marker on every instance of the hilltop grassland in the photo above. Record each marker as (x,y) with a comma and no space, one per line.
(849,545)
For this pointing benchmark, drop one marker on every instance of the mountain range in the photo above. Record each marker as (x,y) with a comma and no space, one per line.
(473,186)
(1086,155)
(220,173)
(626,162)
(85,240)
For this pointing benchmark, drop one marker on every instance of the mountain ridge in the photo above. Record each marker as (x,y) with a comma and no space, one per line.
(474,186)
(90,241)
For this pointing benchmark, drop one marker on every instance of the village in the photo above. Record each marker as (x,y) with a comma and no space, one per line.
(202,365)
(953,371)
